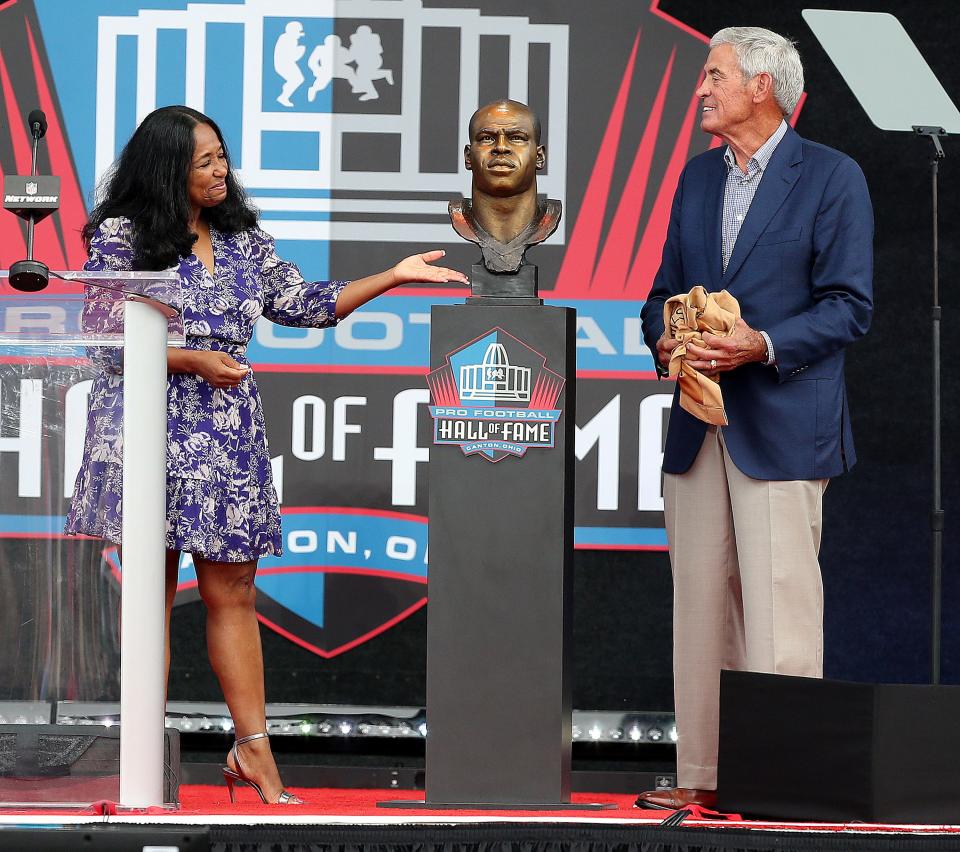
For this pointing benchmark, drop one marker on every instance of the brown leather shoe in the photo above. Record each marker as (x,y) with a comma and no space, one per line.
(674,798)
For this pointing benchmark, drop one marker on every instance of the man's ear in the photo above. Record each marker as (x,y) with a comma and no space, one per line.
(764,87)
(541,156)
(466,158)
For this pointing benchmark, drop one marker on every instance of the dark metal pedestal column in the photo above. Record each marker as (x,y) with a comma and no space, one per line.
(501,557)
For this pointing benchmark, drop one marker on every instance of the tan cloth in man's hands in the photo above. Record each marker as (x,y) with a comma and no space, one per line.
(686,317)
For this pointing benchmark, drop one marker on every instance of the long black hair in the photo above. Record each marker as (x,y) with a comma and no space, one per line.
(148,185)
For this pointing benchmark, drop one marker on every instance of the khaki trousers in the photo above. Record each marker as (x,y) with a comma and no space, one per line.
(747,590)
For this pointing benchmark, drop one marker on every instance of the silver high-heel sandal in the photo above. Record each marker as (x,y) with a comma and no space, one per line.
(238,776)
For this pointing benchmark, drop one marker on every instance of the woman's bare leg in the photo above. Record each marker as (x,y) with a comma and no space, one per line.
(172,569)
(233,643)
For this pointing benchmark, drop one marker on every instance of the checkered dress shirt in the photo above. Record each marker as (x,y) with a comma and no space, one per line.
(738,193)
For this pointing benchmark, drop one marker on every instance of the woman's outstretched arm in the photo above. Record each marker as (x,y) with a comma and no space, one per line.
(417,267)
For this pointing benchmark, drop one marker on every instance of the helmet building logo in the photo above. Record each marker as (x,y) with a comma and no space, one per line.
(495,397)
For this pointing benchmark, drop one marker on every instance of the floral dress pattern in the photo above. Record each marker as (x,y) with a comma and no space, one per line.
(221,502)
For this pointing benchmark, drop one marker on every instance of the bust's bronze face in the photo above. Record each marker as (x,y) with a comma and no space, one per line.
(503,214)
(504,153)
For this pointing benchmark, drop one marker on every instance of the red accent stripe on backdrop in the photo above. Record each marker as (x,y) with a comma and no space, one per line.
(408,290)
(615,274)
(349,645)
(335,569)
(610,276)
(647,260)
(792,121)
(53,362)
(352,510)
(18,130)
(59,241)
(49,535)
(364,369)
(449,398)
(341,368)
(655,9)
(622,375)
(578,261)
(372,572)
(13,244)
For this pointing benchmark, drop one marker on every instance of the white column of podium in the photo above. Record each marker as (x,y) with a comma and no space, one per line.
(142,681)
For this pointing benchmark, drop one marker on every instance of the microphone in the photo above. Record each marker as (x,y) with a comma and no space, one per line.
(37,122)
(29,276)
(32,199)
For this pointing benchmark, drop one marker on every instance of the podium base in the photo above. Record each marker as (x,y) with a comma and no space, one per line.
(72,765)
(420,804)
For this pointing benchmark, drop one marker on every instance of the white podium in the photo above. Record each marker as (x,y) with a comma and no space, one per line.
(124,321)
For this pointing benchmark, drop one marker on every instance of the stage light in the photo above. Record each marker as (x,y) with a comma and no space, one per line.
(595,726)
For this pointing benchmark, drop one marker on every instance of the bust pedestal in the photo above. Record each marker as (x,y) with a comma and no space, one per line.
(503,288)
(501,475)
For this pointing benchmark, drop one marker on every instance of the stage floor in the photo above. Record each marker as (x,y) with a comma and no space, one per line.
(339,818)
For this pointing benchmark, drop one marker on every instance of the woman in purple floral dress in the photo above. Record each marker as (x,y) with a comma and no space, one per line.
(173,201)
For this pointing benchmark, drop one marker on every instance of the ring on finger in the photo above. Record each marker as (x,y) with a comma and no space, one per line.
(713,363)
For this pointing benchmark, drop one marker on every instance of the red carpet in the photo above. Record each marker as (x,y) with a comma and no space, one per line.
(213,800)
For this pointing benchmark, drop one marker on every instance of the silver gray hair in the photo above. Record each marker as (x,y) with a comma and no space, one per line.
(760,50)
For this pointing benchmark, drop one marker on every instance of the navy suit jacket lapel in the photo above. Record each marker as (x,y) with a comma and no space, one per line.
(781,174)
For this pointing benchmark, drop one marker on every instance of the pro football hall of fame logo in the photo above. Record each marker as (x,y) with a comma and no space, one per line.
(495,397)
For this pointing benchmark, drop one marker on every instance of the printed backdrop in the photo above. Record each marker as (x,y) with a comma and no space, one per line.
(346,121)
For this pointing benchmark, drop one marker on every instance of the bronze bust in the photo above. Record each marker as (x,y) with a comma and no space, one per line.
(504,216)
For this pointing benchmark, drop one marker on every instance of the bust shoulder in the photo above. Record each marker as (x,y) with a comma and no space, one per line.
(499,256)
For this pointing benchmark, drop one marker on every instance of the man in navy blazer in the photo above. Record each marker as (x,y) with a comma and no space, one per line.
(786,226)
